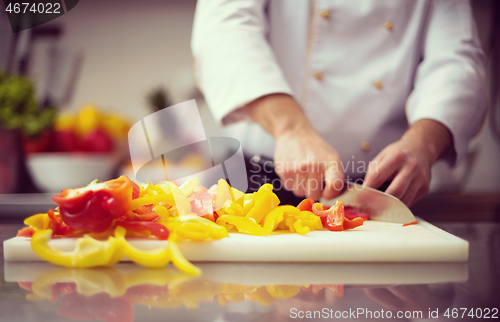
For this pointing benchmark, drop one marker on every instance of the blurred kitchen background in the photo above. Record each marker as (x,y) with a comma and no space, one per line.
(107,64)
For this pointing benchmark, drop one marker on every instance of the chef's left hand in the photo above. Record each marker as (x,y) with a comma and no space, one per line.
(408,161)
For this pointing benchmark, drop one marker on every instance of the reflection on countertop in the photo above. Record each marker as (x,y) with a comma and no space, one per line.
(253,291)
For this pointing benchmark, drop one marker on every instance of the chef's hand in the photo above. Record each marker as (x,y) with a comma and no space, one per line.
(303,160)
(408,161)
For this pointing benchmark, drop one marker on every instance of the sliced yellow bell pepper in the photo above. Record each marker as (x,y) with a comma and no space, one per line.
(154,199)
(153,258)
(179,260)
(187,187)
(225,192)
(267,187)
(232,208)
(38,221)
(313,221)
(172,199)
(273,219)
(146,189)
(243,224)
(264,203)
(162,212)
(276,216)
(192,230)
(88,252)
(248,202)
(301,229)
(196,228)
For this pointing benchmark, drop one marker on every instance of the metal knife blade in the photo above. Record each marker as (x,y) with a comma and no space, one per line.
(379,205)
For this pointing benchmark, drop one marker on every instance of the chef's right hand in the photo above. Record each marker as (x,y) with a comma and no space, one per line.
(302,159)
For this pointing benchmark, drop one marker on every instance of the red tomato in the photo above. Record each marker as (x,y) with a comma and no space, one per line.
(40,143)
(65,141)
(97,141)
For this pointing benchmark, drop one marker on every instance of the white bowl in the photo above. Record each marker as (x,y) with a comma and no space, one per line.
(53,172)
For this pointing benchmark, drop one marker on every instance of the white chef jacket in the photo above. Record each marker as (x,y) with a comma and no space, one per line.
(361,70)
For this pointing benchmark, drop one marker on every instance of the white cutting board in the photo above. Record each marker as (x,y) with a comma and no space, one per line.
(375,241)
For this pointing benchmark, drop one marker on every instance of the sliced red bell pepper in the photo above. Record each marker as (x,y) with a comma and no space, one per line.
(143,213)
(93,208)
(212,217)
(319,210)
(58,226)
(353,223)
(306,205)
(158,230)
(351,213)
(333,217)
(26,232)
(202,205)
(136,190)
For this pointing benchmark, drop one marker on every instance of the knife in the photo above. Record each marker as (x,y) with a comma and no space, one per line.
(379,205)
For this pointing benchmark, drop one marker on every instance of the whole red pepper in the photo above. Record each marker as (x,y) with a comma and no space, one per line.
(93,208)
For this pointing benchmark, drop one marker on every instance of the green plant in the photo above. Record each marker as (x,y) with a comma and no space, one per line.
(18,107)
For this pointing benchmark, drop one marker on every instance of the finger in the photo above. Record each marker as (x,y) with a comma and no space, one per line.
(287,179)
(314,184)
(285,174)
(380,172)
(400,184)
(299,184)
(411,192)
(334,181)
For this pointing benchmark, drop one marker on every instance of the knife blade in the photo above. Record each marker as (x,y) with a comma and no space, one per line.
(379,205)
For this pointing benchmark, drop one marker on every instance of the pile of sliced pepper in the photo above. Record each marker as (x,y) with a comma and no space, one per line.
(105,214)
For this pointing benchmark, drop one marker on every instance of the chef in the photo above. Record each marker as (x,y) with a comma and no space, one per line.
(345,89)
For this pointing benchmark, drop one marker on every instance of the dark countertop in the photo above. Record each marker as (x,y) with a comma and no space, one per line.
(127,292)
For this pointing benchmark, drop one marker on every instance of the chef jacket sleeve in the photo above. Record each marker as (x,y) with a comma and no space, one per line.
(449,84)
(233,61)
